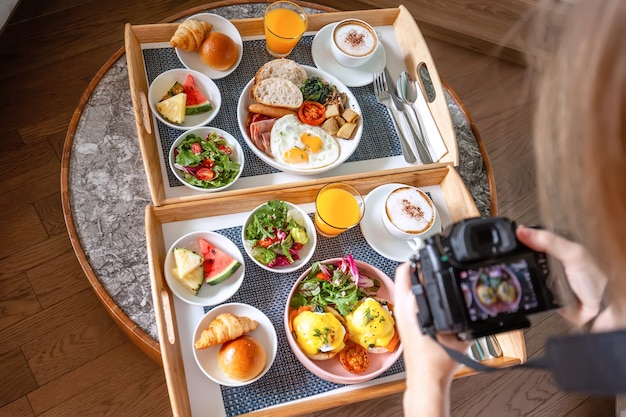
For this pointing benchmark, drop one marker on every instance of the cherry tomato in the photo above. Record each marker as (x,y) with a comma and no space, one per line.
(312,113)
(208,163)
(354,358)
(267,242)
(225,149)
(196,148)
(205,174)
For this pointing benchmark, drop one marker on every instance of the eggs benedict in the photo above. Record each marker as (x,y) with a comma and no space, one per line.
(372,326)
(320,335)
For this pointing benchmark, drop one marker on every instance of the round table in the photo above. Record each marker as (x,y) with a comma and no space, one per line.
(105,191)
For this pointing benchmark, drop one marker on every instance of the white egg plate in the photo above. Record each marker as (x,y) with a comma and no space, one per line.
(346,146)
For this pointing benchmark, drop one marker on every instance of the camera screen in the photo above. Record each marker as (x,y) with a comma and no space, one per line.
(503,288)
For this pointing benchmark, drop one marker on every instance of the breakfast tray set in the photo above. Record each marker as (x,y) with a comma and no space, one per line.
(288,388)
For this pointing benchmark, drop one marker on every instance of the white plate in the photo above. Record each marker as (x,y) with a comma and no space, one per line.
(203,132)
(164,81)
(209,295)
(264,333)
(346,146)
(192,60)
(377,235)
(352,77)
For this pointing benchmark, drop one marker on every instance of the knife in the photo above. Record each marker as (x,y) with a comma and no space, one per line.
(422,152)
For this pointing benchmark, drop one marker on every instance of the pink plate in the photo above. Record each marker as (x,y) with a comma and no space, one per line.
(331,370)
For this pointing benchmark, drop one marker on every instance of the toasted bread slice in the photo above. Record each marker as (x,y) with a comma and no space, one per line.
(282,68)
(278,92)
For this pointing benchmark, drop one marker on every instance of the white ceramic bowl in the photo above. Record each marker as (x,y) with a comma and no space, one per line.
(163,82)
(304,254)
(331,369)
(209,294)
(192,60)
(237,156)
(207,358)
(346,146)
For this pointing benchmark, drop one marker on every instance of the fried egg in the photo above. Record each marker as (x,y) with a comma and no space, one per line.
(297,145)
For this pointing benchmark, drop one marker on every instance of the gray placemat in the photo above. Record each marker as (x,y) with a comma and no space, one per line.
(379,138)
(288,379)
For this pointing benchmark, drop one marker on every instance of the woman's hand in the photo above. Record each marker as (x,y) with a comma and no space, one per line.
(585,278)
(429,369)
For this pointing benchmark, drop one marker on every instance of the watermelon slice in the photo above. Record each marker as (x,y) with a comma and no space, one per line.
(196,103)
(218,266)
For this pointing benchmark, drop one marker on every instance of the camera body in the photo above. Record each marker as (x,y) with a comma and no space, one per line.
(476,279)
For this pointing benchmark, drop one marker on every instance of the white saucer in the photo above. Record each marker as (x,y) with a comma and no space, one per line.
(375,233)
(352,77)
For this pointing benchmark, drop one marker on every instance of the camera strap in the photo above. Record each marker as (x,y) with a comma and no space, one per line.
(593,363)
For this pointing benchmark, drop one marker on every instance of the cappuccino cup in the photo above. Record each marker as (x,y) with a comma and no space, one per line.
(353,42)
(408,214)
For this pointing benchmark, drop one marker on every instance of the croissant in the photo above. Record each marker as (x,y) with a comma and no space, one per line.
(223,328)
(190,34)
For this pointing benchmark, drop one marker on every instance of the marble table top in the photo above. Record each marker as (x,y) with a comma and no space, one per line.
(108,190)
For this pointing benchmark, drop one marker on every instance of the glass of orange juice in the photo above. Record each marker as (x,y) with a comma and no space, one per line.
(285,23)
(338,207)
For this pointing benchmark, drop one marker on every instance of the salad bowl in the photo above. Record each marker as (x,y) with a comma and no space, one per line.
(331,369)
(230,161)
(291,230)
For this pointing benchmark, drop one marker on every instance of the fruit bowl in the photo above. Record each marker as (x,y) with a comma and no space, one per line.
(164,82)
(209,294)
(236,156)
(331,369)
(304,254)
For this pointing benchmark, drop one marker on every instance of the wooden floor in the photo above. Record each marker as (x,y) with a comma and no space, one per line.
(60,352)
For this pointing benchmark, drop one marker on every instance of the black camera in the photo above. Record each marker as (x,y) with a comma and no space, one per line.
(476,279)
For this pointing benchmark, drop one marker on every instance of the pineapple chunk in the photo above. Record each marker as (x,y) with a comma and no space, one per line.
(193,280)
(187,260)
(173,108)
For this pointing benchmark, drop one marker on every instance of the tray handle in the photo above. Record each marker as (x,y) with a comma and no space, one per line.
(166,305)
(145,112)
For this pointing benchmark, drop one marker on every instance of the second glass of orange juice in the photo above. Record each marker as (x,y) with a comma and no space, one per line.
(338,207)
(285,23)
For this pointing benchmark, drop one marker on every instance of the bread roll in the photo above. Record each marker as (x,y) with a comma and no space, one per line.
(282,68)
(242,359)
(219,51)
(278,92)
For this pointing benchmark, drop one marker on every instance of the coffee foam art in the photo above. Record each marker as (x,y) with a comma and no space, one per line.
(410,210)
(355,39)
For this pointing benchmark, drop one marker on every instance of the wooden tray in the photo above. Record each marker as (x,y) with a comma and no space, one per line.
(409,50)
(169,318)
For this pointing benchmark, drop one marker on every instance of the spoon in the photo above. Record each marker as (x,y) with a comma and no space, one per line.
(407,92)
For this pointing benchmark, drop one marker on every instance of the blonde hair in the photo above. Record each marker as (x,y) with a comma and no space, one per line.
(580,130)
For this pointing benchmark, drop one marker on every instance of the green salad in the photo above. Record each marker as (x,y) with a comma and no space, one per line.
(276,234)
(206,162)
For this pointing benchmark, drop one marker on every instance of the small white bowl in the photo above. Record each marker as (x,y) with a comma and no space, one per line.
(209,294)
(207,358)
(304,254)
(192,60)
(163,82)
(237,155)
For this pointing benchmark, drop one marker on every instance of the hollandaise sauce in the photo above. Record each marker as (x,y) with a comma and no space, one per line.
(318,332)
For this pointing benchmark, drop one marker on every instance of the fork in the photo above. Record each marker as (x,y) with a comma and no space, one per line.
(381,91)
